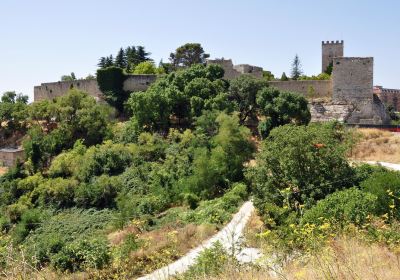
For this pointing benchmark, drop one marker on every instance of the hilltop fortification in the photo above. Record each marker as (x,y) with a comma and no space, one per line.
(348,96)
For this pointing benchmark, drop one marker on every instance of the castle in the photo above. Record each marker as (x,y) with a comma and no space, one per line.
(349,95)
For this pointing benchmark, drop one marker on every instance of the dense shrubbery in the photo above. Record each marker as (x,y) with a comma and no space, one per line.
(386,187)
(299,165)
(351,206)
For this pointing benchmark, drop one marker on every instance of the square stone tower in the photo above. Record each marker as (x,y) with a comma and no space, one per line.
(329,51)
(352,82)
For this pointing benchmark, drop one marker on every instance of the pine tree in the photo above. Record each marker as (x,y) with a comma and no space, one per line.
(296,68)
(120,59)
(284,77)
(142,54)
(102,62)
(109,61)
(131,57)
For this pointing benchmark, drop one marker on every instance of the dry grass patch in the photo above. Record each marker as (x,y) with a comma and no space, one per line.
(3,170)
(377,145)
(254,227)
(343,259)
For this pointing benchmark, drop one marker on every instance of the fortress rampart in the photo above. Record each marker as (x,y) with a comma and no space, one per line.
(52,90)
(311,89)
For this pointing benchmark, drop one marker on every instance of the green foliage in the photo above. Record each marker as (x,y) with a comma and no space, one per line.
(299,165)
(386,186)
(210,262)
(284,77)
(109,158)
(68,77)
(280,108)
(111,83)
(218,210)
(68,118)
(320,77)
(99,193)
(179,97)
(58,193)
(268,76)
(13,109)
(329,69)
(213,169)
(30,220)
(188,55)
(64,228)
(296,68)
(145,67)
(243,92)
(82,254)
(351,206)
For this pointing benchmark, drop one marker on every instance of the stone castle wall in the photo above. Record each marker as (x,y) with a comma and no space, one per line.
(234,71)
(311,89)
(53,90)
(389,97)
(352,79)
(9,156)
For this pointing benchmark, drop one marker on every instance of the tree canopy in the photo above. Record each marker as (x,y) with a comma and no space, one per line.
(188,55)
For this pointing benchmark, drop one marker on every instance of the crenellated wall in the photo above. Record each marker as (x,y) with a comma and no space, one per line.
(330,50)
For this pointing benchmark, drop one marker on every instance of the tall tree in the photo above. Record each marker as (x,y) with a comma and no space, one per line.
(102,62)
(142,54)
(189,54)
(109,61)
(296,68)
(120,59)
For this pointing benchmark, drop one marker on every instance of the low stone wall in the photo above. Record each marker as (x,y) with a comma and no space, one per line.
(53,90)
(9,156)
(139,82)
(311,89)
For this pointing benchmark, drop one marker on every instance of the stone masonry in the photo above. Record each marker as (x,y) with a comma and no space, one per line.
(233,71)
(52,90)
(390,97)
(9,156)
(331,50)
(348,96)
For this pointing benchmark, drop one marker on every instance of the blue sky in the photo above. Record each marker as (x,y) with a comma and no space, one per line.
(43,39)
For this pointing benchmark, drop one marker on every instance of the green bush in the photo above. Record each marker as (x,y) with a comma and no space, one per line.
(82,254)
(108,158)
(30,220)
(211,262)
(111,83)
(64,228)
(386,186)
(364,171)
(218,210)
(342,207)
(299,165)
(99,193)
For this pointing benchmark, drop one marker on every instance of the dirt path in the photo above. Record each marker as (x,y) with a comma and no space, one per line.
(230,237)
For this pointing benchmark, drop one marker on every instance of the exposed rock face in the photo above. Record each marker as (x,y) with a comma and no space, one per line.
(328,111)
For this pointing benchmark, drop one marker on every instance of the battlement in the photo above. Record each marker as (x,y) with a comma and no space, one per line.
(333,42)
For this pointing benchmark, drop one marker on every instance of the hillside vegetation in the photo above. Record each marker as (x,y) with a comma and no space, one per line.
(117,189)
